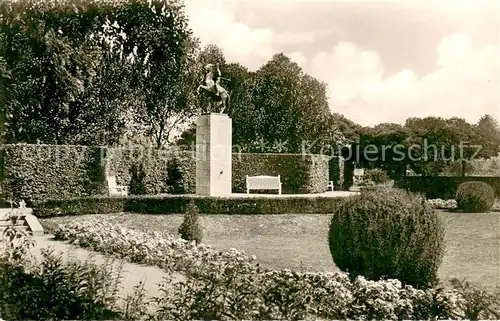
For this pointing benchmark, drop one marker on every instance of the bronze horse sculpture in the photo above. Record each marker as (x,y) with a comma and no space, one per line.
(218,95)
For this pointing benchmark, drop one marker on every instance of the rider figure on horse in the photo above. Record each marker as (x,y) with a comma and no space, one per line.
(215,76)
(212,85)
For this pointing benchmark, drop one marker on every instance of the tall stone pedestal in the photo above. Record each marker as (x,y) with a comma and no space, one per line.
(213,155)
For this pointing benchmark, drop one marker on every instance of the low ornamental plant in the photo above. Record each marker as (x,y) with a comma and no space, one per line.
(475,197)
(190,229)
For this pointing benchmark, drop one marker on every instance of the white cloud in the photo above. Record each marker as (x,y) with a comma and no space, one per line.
(464,84)
(298,58)
(214,24)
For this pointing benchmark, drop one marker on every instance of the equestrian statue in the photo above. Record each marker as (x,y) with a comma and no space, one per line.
(211,85)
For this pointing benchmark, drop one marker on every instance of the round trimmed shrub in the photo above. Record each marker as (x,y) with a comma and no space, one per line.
(475,197)
(377,176)
(388,234)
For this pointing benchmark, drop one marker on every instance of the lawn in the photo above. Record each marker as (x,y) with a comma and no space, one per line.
(300,241)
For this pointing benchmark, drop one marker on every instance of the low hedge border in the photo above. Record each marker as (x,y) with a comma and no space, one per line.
(170,204)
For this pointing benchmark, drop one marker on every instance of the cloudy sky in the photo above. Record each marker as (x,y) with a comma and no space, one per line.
(383,61)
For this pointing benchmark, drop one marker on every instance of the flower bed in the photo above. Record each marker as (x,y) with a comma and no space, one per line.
(231,285)
(451,204)
(152,248)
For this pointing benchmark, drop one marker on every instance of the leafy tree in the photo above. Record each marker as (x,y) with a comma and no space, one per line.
(347,127)
(441,142)
(381,147)
(4,79)
(165,53)
(290,107)
(241,109)
(488,131)
(55,59)
(274,93)
(48,75)
(187,138)
(75,65)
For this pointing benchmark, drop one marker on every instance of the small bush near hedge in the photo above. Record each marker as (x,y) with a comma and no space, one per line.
(229,285)
(377,176)
(475,197)
(179,204)
(388,234)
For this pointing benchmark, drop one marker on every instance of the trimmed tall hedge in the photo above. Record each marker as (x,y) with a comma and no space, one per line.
(300,174)
(173,204)
(152,167)
(336,170)
(36,172)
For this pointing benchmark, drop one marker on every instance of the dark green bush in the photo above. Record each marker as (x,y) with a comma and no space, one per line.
(190,229)
(336,170)
(475,197)
(377,176)
(137,174)
(387,234)
(175,179)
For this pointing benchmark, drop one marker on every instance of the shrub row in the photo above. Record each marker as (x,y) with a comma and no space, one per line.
(149,171)
(179,204)
(36,172)
(152,248)
(444,187)
(231,286)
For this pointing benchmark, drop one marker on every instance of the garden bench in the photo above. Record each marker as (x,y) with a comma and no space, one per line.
(116,190)
(263,183)
(330,186)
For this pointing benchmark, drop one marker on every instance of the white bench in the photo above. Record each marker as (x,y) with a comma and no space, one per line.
(264,183)
(330,186)
(116,190)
